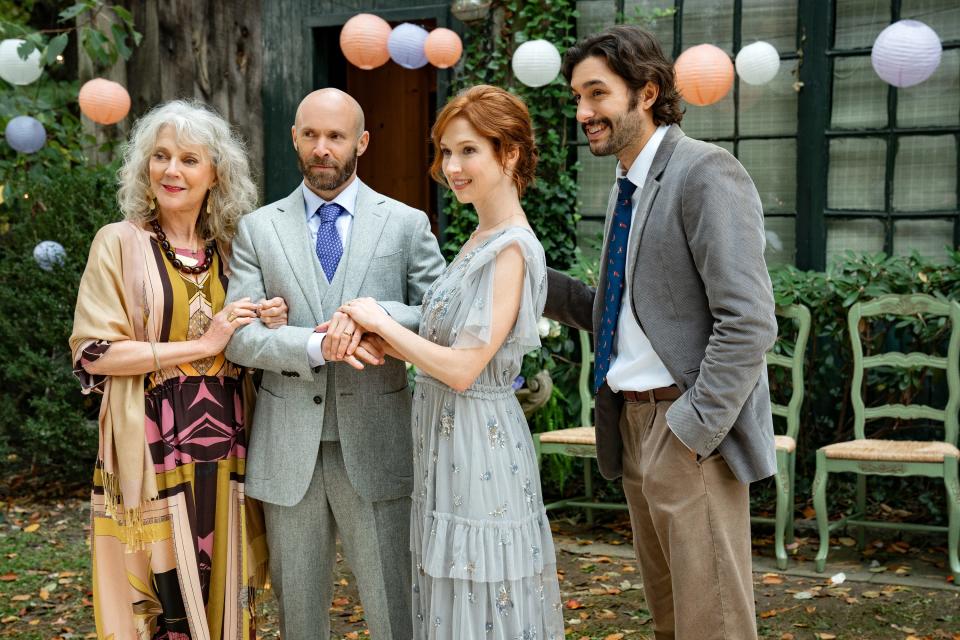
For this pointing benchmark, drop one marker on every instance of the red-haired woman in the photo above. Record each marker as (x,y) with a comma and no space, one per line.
(484,559)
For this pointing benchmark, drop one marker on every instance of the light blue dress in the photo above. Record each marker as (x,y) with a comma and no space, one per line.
(484,562)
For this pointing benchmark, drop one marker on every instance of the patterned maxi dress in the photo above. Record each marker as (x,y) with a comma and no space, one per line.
(484,560)
(187,583)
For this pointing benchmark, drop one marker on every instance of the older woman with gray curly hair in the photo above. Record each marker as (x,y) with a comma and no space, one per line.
(177,549)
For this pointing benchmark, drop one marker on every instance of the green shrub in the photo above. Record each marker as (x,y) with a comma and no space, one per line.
(44,419)
(551,202)
(827,414)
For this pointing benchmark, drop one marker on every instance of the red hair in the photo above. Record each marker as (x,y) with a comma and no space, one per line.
(500,117)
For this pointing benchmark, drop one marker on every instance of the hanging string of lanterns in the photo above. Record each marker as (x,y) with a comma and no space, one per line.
(367,41)
(904,54)
(101,100)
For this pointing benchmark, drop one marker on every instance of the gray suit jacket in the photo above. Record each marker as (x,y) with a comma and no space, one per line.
(701,292)
(392,256)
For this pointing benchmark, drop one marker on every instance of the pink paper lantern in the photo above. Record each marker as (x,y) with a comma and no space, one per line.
(363,40)
(704,74)
(104,101)
(443,48)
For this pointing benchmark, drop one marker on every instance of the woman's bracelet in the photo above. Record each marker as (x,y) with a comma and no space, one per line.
(156,358)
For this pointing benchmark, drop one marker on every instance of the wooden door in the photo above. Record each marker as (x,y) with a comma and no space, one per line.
(397,104)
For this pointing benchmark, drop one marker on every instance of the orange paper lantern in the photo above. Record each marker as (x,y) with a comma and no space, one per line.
(104,101)
(443,48)
(363,40)
(704,74)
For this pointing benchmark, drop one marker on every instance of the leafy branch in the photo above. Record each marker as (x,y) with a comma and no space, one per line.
(104,46)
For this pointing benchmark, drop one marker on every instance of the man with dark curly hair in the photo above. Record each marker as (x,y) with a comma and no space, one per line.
(682,317)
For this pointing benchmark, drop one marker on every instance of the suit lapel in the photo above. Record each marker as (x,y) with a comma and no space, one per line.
(369,220)
(649,194)
(290,224)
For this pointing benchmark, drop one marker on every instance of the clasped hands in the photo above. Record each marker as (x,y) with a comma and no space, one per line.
(352,334)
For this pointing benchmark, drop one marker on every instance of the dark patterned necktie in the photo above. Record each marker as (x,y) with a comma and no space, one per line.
(329,247)
(613,293)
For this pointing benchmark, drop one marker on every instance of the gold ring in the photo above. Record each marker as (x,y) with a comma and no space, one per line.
(231,316)
(348,333)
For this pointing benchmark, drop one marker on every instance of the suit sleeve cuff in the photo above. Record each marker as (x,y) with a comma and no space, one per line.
(315,349)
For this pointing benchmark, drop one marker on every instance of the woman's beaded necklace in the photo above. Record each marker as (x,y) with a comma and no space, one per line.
(171,255)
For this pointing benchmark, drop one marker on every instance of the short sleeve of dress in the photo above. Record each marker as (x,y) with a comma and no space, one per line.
(478,292)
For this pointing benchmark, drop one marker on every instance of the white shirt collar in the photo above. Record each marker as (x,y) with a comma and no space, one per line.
(346,198)
(641,166)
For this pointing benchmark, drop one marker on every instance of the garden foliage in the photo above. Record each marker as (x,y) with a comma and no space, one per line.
(54,195)
(551,202)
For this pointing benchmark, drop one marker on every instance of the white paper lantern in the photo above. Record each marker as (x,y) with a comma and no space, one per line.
(906,53)
(406,45)
(15,69)
(536,63)
(25,134)
(49,254)
(758,63)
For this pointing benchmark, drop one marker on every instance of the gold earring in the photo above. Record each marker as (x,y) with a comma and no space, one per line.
(153,204)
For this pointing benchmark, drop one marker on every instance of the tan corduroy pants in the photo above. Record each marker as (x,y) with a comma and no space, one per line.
(691,532)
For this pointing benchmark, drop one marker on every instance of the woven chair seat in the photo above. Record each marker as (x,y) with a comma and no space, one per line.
(786,443)
(891,450)
(574,435)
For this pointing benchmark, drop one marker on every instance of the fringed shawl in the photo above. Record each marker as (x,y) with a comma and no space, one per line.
(121,298)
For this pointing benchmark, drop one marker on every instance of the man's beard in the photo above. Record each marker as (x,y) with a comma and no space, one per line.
(324,181)
(625,129)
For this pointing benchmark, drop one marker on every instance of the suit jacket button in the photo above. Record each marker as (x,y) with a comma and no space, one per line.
(316,369)
(318,399)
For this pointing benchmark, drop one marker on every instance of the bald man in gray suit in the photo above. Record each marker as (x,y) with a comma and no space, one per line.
(331,442)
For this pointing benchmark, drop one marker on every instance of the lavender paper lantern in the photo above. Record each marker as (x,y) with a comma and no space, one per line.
(536,63)
(406,45)
(906,53)
(758,63)
(49,254)
(25,134)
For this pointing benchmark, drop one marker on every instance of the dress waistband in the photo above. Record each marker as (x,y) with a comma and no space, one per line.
(485,391)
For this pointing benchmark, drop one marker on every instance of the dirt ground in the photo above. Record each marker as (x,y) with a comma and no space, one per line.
(45,577)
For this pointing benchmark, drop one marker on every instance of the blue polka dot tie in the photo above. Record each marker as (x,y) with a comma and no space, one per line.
(613,293)
(329,247)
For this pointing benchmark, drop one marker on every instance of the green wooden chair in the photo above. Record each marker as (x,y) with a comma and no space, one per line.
(787,444)
(864,456)
(579,442)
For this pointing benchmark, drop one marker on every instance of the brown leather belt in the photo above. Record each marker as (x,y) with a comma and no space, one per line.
(653,395)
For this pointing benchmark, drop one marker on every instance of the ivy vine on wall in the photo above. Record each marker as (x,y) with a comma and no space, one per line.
(551,202)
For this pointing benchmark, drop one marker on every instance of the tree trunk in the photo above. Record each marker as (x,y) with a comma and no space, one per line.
(207,50)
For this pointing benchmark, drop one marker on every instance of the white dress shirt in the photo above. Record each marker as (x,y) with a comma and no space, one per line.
(634,365)
(311,203)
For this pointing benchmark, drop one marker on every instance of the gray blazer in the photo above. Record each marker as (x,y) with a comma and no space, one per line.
(391,256)
(701,292)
